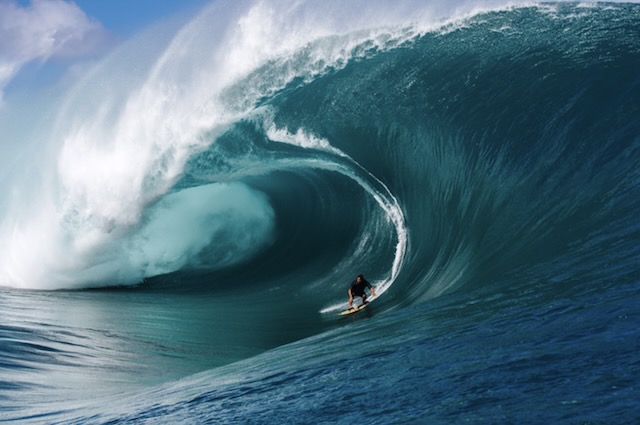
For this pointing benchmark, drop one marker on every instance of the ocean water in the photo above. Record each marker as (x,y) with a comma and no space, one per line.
(180,227)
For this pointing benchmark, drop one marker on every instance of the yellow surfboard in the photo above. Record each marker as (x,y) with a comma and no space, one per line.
(353,309)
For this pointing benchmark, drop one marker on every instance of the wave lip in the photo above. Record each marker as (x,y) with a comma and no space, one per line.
(121,145)
(120,141)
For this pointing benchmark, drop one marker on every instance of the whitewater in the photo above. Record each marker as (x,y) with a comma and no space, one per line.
(180,225)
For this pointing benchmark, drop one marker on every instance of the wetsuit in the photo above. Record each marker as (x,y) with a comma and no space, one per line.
(357,288)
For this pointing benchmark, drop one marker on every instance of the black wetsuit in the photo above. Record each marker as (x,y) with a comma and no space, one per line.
(357,288)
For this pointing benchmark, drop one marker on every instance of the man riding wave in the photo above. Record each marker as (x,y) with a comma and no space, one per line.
(357,290)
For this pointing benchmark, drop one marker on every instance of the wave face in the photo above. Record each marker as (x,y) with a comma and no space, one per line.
(482,172)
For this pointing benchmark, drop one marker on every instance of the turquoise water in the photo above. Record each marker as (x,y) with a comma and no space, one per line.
(197,232)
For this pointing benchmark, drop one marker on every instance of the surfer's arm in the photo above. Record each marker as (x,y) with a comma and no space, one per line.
(350,298)
(373,291)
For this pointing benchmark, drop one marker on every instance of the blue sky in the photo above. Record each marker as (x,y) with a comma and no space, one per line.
(127,16)
(39,39)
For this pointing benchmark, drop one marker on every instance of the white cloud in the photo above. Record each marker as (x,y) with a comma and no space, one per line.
(40,31)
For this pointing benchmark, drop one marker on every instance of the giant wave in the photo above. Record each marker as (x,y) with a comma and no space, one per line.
(479,166)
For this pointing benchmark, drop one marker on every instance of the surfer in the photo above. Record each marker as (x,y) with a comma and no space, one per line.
(357,290)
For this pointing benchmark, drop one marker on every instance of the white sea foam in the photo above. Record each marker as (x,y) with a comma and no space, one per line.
(119,140)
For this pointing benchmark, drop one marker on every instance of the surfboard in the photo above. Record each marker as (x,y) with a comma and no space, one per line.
(353,309)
